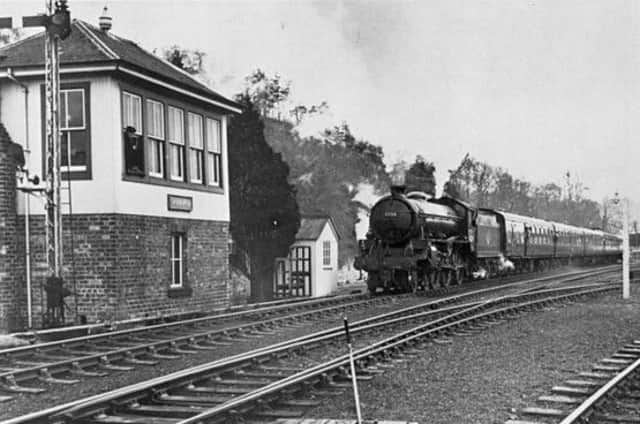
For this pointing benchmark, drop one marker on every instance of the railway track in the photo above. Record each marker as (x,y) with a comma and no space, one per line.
(609,393)
(31,369)
(258,384)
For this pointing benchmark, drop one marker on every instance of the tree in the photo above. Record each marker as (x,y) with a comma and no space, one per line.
(264,212)
(10,35)
(190,61)
(267,93)
(420,176)
(300,112)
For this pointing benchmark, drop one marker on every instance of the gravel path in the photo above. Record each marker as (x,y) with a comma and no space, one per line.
(486,377)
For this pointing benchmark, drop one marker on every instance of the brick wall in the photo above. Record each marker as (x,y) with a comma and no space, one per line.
(121,265)
(11,251)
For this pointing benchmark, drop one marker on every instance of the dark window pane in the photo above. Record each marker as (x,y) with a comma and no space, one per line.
(176,273)
(78,148)
(75,112)
(63,110)
(133,154)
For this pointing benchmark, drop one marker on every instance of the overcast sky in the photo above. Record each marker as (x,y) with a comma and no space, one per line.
(536,87)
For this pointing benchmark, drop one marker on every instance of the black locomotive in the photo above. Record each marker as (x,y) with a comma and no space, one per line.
(417,242)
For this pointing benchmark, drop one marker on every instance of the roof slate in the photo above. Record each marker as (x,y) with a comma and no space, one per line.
(311,227)
(86,45)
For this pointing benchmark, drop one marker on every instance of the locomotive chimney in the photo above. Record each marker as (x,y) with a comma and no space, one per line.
(398,190)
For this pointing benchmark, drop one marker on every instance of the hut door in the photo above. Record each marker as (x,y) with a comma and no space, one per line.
(281,278)
(300,266)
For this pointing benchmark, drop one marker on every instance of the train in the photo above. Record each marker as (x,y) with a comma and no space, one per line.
(419,242)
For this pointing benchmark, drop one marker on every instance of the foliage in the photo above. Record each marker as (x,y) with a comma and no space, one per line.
(486,186)
(10,35)
(190,61)
(264,212)
(420,176)
(300,112)
(327,172)
(267,93)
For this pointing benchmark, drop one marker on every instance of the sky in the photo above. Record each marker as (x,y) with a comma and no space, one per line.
(535,87)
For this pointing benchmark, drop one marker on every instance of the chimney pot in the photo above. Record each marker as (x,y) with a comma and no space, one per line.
(105,20)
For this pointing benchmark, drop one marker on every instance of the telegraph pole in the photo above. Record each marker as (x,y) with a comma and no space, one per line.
(625,250)
(626,254)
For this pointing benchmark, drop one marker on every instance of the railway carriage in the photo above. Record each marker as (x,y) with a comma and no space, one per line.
(415,241)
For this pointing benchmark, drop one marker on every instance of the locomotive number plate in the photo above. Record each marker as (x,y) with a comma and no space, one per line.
(390,214)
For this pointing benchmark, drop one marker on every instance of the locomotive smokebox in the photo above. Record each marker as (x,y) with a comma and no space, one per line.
(393,218)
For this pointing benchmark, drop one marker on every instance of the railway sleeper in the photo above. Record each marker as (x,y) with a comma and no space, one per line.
(615,418)
(107,365)
(278,413)
(76,369)
(196,400)
(130,358)
(200,345)
(9,384)
(307,403)
(180,351)
(153,352)
(234,382)
(560,399)
(173,411)
(129,419)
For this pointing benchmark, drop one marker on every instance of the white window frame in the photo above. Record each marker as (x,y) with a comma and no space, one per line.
(156,141)
(65,130)
(326,253)
(177,281)
(138,118)
(196,152)
(213,152)
(176,144)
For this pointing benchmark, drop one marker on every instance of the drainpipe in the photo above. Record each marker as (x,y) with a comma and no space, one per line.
(27,203)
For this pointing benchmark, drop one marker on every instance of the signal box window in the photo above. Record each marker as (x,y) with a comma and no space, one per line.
(214,153)
(176,143)
(196,148)
(155,131)
(75,137)
(177,262)
(133,142)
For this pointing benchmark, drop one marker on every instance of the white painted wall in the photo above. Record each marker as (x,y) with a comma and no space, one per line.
(325,278)
(106,192)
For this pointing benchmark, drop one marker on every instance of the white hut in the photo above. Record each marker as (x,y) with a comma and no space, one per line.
(311,269)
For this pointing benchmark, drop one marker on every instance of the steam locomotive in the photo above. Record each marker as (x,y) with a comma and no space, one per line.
(418,242)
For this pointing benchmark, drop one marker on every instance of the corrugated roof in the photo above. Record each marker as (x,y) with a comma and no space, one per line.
(88,45)
(311,227)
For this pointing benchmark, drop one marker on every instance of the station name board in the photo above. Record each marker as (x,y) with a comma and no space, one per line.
(179,203)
